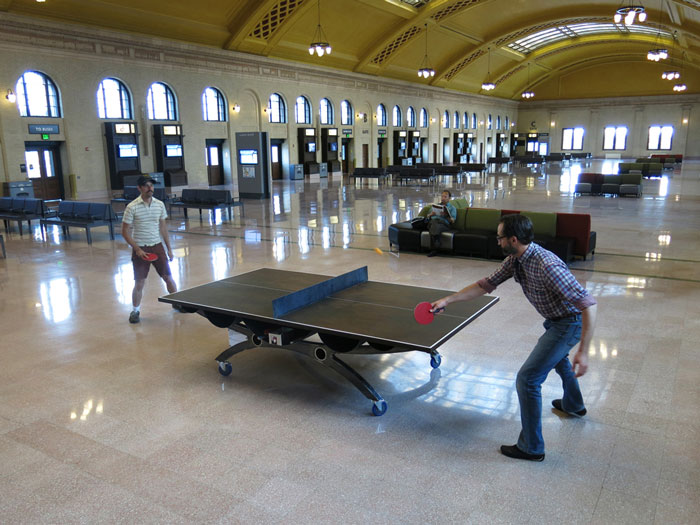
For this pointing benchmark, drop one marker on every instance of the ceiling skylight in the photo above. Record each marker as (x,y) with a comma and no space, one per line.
(542,38)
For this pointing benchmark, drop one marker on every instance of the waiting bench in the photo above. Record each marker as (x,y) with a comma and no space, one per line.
(20,209)
(203,199)
(370,173)
(86,215)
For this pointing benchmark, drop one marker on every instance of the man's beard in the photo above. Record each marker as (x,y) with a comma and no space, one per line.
(509,249)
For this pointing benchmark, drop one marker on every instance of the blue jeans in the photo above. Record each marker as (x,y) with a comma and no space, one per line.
(550,352)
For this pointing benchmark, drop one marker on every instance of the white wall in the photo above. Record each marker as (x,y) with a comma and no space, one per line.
(636,113)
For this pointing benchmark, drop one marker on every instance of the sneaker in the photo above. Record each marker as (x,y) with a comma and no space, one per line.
(514,452)
(134,317)
(433,253)
(556,403)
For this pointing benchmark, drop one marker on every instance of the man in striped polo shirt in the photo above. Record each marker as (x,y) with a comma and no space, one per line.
(143,228)
(569,312)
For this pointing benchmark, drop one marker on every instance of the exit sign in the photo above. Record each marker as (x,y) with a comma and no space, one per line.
(45,136)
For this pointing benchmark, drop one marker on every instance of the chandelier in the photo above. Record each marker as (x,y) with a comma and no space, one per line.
(488,85)
(657,54)
(629,13)
(425,70)
(670,75)
(678,88)
(528,94)
(320,44)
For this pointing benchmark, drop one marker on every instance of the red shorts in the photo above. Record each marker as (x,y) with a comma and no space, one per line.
(141,267)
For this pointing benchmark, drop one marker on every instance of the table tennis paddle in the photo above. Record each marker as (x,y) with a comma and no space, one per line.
(150,257)
(423,313)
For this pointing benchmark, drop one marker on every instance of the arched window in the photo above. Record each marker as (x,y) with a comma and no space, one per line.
(161,102)
(302,110)
(474,121)
(213,105)
(465,120)
(498,122)
(507,126)
(326,112)
(396,117)
(381,115)
(490,122)
(346,116)
(37,95)
(423,118)
(411,117)
(113,99)
(446,119)
(455,120)
(276,109)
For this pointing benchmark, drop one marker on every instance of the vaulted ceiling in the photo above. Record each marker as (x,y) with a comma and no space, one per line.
(558,48)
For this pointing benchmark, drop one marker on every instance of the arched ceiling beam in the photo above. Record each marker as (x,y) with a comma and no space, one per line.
(380,53)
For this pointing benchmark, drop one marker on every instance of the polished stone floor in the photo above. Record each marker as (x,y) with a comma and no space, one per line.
(102,421)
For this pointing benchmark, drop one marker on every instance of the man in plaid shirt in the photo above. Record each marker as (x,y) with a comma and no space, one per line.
(569,312)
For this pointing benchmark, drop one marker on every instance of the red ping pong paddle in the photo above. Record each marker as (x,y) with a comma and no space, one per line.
(150,257)
(422,313)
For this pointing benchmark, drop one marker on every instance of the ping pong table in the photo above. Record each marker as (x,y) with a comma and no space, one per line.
(365,318)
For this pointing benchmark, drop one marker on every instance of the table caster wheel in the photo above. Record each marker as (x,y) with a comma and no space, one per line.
(436,361)
(379,407)
(225,368)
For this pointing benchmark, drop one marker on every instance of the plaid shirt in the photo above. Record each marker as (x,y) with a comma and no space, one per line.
(546,282)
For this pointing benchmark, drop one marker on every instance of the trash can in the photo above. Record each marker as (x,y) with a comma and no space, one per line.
(296,172)
(23,188)
(323,170)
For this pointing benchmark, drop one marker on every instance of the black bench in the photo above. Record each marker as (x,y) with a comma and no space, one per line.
(20,209)
(499,160)
(472,167)
(2,245)
(86,215)
(206,200)
(370,173)
(415,174)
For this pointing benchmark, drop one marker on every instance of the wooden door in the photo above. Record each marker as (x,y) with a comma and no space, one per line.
(43,169)
(276,161)
(214,172)
(365,155)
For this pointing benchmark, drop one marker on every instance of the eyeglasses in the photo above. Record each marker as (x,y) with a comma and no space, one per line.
(499,237)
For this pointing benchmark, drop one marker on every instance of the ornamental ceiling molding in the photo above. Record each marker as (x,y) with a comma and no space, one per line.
(19,33)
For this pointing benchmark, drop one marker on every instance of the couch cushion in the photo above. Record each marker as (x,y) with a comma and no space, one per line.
(578,227)
(459,203)
(461,220)
(612,179)
(543,223)
(482,219)
(425,210)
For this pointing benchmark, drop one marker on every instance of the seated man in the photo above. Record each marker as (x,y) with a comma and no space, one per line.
(441,220)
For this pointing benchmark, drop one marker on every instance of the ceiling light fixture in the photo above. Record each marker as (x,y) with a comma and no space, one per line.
(657,54)
(629,13)
(679,88)
(528,94)
(670,75)
(425,70)
(488,85)
(320,44)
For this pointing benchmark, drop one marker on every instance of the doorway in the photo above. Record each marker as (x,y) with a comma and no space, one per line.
(365,155)
(276,159)
(44,170)
(380,152)
(345,152)
(215,174)
(434,152)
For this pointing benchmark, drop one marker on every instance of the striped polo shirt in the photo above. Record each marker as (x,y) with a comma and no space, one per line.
(145,220)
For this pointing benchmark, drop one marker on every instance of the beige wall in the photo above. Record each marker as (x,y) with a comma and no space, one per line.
(78,58)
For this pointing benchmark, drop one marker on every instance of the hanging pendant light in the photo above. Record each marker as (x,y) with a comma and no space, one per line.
(629,14)
(488,85)
(425,70)
(320,44)
(527,94)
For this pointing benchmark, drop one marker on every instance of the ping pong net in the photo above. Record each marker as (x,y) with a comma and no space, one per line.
(317,292)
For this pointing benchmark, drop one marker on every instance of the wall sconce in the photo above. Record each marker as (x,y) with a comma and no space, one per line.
(10,96)
(481,123)
(552,123)
(685,121)
(236,108)
(361,115)
(432,120)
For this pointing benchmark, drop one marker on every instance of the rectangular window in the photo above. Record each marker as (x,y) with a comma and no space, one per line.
(615,138)
(660,137)
(572,139)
